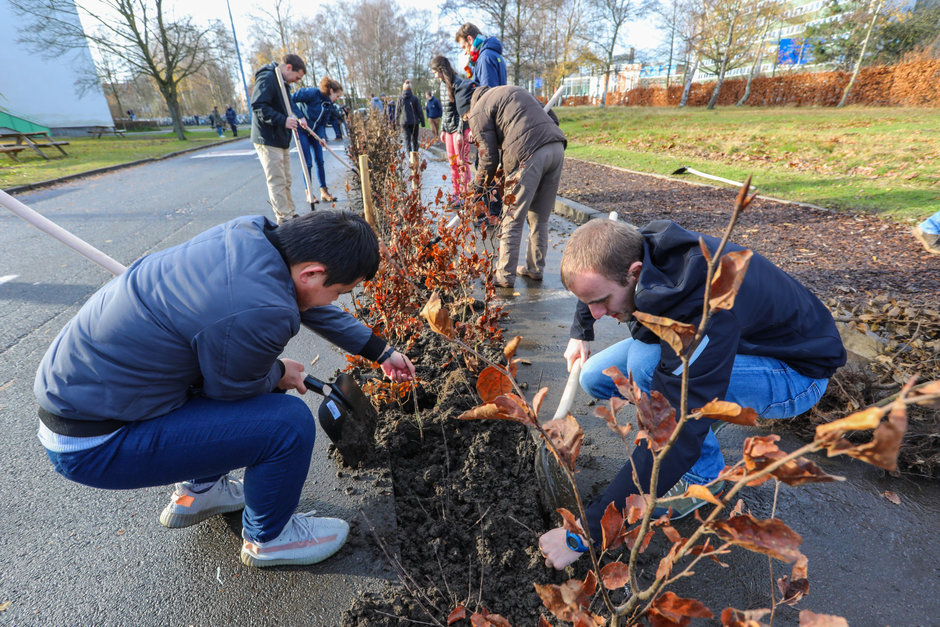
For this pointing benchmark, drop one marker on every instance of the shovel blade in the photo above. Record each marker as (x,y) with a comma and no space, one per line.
(349,419)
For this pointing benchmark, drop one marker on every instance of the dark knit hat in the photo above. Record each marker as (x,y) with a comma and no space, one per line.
(463,92)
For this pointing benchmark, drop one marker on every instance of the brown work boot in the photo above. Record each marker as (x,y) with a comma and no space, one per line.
(326,196)
(523,271)
(930,241)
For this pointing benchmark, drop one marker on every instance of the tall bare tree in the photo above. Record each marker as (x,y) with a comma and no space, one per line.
(874,8)
(491,13)
(610,18)
(729,34)
(374,44)
(565,46)
(135,31)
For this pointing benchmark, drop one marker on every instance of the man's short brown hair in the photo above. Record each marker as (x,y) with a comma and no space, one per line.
(606,247)
(328,85)
(297,64)
(467,30)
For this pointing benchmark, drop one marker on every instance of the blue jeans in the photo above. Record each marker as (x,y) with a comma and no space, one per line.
(767,385)
(271,436)
(931,225)
(306,143)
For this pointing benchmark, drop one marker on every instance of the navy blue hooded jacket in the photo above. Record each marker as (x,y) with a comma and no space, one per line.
(433,108)
(773,316)
(490,69)
(313,104)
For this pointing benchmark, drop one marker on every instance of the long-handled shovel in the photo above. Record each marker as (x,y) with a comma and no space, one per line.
(556,490)
(345,414)
(300,151)
(316,138)
(685,169)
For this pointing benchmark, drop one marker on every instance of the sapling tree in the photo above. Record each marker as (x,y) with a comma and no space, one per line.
(612,589)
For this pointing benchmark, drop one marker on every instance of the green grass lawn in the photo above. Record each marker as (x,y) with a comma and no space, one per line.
(88,153)
(882,160)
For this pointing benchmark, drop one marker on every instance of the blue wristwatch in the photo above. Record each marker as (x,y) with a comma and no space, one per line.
(575,542)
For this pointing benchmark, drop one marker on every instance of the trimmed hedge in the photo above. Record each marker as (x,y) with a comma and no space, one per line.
(915,83)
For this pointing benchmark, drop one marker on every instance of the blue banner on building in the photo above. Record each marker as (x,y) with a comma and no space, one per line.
(794,52)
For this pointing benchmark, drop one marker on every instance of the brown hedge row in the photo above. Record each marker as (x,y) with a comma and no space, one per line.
(915,83)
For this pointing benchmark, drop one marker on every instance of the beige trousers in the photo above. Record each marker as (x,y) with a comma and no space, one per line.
(276,164)
(535,199)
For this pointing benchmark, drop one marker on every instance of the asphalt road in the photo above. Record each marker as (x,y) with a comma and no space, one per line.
(76,556)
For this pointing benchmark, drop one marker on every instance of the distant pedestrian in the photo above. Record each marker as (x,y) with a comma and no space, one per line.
(336,120)
(216,120)
(377,103)
(455,132)
(485,64)
(232,119)
(271,125)
(433,108)
(409,117)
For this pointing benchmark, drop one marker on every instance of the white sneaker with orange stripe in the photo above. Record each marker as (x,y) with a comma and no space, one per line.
(188,507)
(305,539)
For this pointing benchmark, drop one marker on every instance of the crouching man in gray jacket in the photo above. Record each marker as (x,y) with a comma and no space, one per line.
(169,373)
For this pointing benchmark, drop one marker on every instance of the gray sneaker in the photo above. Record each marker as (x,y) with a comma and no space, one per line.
(188,508)
(305,539)
(685,506)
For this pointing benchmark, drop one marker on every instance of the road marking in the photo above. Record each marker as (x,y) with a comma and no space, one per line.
(230,153)
(225,153)
(9,277)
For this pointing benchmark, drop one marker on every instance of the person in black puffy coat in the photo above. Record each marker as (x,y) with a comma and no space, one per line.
(409,115)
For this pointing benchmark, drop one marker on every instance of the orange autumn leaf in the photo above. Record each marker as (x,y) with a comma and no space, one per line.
(611,528)
(511,346)
(491,383)
(728,412)
(566,436)
(458,613)
(703,493)
(811,619)
(771,537)
(671,609)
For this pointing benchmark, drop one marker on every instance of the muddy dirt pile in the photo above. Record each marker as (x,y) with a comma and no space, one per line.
(466,502)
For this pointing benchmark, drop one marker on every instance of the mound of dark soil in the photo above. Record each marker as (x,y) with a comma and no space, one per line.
(466,502)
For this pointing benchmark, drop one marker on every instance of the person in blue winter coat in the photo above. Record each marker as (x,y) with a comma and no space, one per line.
(774,351)
(434,110)
(315,105)
(172,372)
(485,66)
(232,119)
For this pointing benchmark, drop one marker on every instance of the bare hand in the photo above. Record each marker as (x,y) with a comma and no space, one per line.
(303,122)
(554,546)
(398,367)
(293,378)
(322,142)
(575,349)
(290,123)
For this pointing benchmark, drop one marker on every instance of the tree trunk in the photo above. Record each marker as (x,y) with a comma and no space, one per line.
(861,55)
(172,103)
(724,65)
(688,84)
(117,99)
(754,68)
(672,46)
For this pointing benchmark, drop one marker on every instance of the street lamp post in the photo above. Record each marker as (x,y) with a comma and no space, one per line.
(238,54)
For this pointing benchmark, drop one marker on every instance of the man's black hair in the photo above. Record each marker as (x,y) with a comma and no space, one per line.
(342,241)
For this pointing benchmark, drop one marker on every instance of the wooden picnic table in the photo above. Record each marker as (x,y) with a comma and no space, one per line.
(37,140)
(98,131)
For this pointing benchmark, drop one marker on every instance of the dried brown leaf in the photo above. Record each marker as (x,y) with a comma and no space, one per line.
(458,613)
(438,317)
(771,537)
(727,280)
(657,419)
(566,436)
(678,335)
(728,412)
(511,346)
(795,586)
(731,617)
(611,528)
(671,609)
(538,400)
(492,382)
(615,575)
